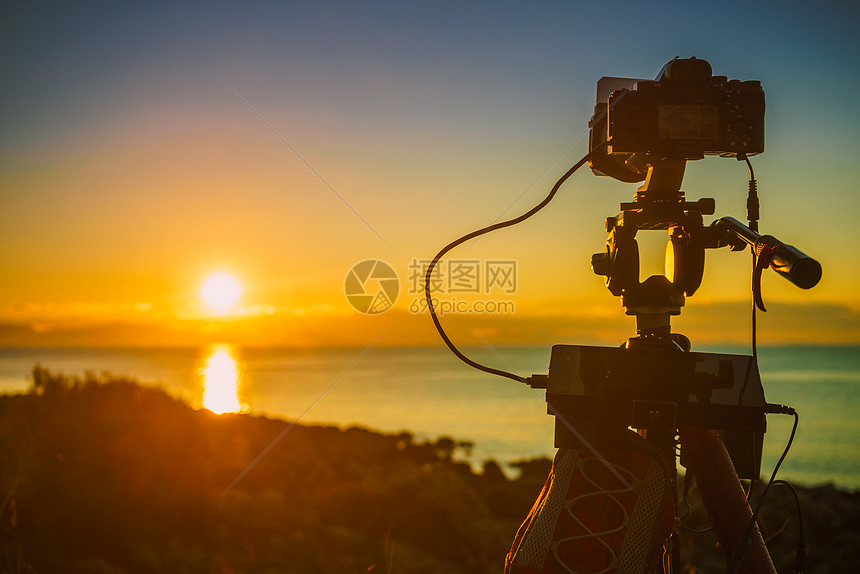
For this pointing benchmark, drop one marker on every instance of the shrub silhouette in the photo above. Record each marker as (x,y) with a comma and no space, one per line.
(100,474)
(124,477)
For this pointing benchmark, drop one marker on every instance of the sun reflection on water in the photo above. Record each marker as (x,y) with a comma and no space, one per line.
(221,377)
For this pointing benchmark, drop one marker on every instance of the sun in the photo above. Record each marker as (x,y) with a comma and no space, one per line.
(221,293)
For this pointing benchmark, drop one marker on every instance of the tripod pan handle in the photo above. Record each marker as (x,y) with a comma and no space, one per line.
(787,260)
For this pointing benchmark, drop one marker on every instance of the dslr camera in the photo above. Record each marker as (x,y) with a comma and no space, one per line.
(685,114)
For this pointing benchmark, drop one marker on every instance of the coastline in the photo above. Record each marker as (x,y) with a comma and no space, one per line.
(106,475)
(428,392)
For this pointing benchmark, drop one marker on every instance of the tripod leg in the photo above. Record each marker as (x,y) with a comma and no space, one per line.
(611,513)
(665,441)
(703,453)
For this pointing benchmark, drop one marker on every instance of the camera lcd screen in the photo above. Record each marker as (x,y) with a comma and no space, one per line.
(687,122)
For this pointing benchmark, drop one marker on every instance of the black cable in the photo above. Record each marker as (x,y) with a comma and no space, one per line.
(796,502)
(477,233)
(754,325)
(753,205)
(749,492)
(744,543)
(694,531)
(753,215)
(688,481)
(800,560)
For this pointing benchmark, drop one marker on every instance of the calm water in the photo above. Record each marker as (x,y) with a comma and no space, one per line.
(428,392)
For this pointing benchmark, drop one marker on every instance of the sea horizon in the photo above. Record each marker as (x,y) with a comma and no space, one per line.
(428,392)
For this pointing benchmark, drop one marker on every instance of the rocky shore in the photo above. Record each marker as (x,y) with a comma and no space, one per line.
(104,475)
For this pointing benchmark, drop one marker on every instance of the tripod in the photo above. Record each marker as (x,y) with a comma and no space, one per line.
(608,503)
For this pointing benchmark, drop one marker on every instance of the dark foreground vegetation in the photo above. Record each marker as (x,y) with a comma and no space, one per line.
(107,476)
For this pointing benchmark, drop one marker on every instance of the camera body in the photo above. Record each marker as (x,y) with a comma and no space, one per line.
(685,114)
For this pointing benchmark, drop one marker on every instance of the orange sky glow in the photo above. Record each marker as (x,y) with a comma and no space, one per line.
(124,189)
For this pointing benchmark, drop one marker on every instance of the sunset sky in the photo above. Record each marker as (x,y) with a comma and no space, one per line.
(145,148)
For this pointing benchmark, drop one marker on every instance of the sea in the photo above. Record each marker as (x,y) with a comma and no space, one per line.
(428,392)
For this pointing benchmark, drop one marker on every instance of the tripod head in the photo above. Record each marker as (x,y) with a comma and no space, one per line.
(659,205)
(649,130)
